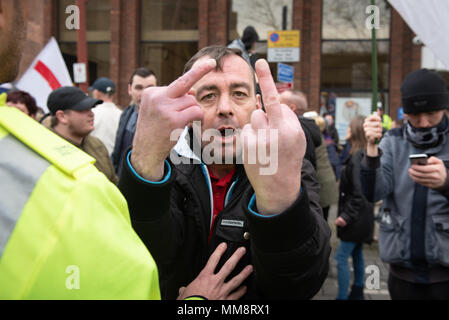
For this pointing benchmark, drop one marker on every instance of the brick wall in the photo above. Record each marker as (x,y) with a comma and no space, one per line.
(405,57)
(307,16)
(124,50)
(213,22)
(40,19)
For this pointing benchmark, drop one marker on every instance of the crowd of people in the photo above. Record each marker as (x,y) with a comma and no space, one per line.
(140,225)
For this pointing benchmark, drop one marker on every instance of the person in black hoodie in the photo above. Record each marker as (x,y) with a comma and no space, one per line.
(183,206)
(355,221)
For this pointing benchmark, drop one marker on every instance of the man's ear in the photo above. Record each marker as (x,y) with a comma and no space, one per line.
(129,89)
(62,117)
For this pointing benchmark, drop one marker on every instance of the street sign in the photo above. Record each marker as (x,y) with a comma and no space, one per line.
(283,46)
(285,72)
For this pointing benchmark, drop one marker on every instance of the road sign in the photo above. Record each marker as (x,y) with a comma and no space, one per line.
(283,46)
(285,72)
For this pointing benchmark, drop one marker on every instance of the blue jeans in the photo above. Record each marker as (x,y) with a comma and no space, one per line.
(341,256)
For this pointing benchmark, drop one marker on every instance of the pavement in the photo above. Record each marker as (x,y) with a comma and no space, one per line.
(376,287)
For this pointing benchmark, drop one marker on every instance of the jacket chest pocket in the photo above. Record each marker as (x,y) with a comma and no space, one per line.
(234,231)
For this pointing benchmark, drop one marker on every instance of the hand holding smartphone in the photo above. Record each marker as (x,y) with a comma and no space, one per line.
(419,159)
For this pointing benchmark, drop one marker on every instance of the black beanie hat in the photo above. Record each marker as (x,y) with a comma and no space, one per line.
(423,91)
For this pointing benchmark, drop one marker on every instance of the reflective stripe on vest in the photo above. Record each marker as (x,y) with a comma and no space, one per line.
(20,170)
(55,149)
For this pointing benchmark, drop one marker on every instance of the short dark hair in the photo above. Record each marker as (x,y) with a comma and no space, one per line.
(142,72)
(218,53)
(25,98)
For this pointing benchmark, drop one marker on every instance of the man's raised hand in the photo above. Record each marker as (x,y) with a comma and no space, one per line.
(163,110)
(278,188)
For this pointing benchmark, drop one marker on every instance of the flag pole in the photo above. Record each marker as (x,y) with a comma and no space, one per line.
(374,64)
(82,43)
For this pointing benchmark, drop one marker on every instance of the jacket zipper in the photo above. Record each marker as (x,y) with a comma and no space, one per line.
(211,196)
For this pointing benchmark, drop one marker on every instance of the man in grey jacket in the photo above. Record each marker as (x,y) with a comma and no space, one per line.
(414,219)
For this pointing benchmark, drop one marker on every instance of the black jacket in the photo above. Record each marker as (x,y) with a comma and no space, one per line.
(119,146)
(353,207)
(289,251)
(313,138)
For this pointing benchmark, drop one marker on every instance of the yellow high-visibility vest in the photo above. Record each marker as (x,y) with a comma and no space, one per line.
(387,122)
(65,230)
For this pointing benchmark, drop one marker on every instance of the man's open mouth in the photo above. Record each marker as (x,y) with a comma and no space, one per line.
(227,131)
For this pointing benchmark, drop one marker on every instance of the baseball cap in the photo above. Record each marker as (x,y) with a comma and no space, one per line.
(104,85)
(70,98)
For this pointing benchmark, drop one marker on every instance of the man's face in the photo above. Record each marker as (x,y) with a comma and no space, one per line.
(227,99)
(330,120)
(425,119)
(12,34)
(139,84)
(80,123)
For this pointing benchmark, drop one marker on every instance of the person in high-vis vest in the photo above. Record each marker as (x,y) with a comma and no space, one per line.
(65,230)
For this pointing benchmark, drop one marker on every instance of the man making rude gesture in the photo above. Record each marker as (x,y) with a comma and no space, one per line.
(236,175)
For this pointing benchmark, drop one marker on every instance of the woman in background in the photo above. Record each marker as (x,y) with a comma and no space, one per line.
(23,101)
(355,221)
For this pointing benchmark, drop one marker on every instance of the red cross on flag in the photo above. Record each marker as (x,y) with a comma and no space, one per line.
(47,73)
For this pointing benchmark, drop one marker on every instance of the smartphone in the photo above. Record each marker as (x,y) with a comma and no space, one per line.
(420,159)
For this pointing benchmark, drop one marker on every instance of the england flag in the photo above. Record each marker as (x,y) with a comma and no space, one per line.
(47,73)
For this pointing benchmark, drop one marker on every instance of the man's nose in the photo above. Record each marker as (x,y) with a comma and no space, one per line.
(224,107)
(424,122)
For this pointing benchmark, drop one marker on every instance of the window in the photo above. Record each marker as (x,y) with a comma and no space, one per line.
(346,50)
(98,37)
(169,36)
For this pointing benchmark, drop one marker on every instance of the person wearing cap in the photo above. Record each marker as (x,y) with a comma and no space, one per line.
(107,114)
(73,120)
(414,217)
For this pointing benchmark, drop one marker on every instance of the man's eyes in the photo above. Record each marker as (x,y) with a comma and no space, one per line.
(208,97)
(240,94)
(212,95)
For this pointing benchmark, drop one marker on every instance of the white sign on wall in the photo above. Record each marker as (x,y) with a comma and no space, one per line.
(79,72)
(346,110)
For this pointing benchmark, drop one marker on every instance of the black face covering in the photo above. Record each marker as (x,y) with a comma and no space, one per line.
(425,138)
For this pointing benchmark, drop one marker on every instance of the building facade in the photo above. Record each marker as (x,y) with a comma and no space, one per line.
(335,45)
